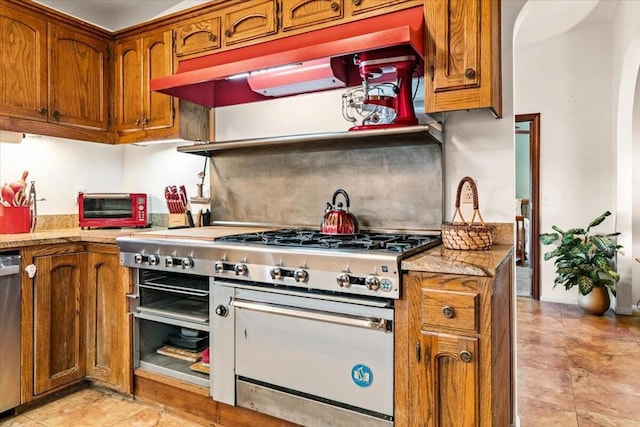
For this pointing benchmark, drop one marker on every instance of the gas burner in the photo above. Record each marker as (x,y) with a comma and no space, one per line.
(397,243)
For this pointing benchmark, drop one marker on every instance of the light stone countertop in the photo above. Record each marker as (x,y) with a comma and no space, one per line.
(70,235)
(470,263)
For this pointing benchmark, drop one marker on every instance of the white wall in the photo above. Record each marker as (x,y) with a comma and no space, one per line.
(626,65)
(566,79)
(62,167)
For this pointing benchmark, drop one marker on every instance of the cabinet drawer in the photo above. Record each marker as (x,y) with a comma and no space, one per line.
(301,13)
(257,19)
(198,35)
(449,309)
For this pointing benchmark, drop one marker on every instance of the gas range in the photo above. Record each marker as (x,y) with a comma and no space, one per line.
(364,264)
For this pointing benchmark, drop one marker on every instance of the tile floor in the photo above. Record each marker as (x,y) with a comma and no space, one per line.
(574,370)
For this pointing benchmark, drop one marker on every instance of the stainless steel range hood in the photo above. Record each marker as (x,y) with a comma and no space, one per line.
(220,79)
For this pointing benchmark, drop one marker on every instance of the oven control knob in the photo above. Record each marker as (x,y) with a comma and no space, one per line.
(186,263)
(276,273)
(218,267)
(343,280)
(153,259)
(168,262)
(300,275)
(137,258)
(221,310)
(240,269)
(372,283)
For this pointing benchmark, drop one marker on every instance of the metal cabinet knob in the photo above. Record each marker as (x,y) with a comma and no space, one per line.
(335,6)
(447,311)
(465,356)
(470,73)
(137,122)
(228,33)
(43,111)
(212,37)
(56,115)
(356,2)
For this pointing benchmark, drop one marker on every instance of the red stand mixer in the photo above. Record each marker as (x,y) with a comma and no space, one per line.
(384,100)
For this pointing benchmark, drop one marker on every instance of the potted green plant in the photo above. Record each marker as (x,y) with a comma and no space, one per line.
(585,260)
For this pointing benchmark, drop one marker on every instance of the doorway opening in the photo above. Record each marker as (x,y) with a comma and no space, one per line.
(527,205)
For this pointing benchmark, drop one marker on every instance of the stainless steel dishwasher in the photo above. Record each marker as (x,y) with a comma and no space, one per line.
(9,331)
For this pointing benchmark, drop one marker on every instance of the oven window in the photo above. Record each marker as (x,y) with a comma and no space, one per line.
(107,208)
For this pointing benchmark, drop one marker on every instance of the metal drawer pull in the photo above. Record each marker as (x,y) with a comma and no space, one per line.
(418,352)
(465,356)
(361,322)
(447,311)
(470,73)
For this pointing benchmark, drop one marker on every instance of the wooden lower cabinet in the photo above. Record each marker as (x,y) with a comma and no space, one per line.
(54,329)
(75,324)
(108,323)
(454,364)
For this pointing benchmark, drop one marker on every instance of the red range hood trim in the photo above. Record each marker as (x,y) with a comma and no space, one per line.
(204,80)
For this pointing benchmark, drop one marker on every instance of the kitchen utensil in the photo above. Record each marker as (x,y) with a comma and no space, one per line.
(337,220)
(8,194)
(33,204)
(183,197)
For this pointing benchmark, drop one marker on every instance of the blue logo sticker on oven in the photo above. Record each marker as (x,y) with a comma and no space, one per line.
(362,375)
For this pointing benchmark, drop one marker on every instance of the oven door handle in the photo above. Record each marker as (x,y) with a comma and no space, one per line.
(322,316)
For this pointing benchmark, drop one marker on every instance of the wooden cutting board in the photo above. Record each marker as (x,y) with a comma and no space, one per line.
(178,353)
(199,367)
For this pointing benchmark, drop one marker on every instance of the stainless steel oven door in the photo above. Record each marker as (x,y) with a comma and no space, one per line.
(336,351)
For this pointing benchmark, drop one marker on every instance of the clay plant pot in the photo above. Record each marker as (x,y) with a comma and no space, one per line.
(596,302)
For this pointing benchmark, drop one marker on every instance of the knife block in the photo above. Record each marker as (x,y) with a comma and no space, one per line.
(177,220)
(15,220)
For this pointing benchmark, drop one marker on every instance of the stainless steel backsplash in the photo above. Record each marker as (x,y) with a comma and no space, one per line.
(396,186)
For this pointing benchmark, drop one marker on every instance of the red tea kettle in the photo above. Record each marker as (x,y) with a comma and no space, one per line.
(337,220)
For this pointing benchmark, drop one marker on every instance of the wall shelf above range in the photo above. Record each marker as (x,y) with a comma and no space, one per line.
(425,134)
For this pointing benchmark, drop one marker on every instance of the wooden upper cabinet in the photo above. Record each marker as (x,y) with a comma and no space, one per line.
(23,65)
(301,13)
(78,79)
(128,85)
(251,20)
(362,6)
(462,63)
(140,113)
(158,62)
(197,36)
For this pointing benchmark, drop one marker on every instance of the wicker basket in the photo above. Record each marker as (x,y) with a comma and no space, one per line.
(467,235)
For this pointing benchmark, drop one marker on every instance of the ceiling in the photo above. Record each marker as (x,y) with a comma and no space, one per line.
(115,15)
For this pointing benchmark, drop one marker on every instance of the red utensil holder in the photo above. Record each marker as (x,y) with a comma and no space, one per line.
(15,220)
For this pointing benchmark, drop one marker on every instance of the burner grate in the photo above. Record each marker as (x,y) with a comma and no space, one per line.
(367,242)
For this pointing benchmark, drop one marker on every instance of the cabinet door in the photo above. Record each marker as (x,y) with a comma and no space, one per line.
(257,19)
(23,65)
(58,339)
(444,381)
(198,36)
(108,329)
(300,13)
(158,108)
(462,55)
(128,85)
(78,79)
